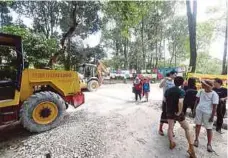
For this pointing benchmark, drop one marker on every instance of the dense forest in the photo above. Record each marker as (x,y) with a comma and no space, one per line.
(134,34)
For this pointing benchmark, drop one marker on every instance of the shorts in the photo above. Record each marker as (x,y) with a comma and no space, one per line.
(146,91)
(172,116)
(163,114)
(203,118)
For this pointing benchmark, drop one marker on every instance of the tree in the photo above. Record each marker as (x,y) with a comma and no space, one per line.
(37,48)
(5,18)
(84,17)
(192,32)
(224,63)
(208,65)
(45,15)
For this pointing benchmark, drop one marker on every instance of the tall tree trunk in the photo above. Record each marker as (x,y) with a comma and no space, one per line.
(192,33)
(156,48)
(125,53)
(224,63)
(117,47)
(156,35)
(66,35)
(143,50)
(67,61)
(164,52)
(173,55)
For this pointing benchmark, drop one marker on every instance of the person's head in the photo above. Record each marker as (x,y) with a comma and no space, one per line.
(178,81)
(168,75)
(207,85)
(191,82)
(173,74)
(218,83)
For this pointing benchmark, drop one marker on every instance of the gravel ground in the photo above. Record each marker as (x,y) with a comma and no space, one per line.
(109,125)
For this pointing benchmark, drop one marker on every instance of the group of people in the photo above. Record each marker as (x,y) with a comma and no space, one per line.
(141,87)
(203,103)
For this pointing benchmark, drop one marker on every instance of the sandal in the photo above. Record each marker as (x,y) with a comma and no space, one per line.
(191,152)
(161,133)
(196,143)
(209,148)
(172,145)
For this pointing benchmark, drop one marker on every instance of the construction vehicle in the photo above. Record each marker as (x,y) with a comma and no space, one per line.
(200,77)
(38,98)
(91,75)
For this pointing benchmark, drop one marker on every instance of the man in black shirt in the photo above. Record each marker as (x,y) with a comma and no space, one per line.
(174,105)
(221,108)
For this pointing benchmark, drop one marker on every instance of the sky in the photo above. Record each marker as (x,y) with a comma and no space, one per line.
(216,48)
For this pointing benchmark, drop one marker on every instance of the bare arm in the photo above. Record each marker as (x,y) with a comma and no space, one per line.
(213,113)
(180,106)
(223,99)
(213,110)
(162,84)
(196,103)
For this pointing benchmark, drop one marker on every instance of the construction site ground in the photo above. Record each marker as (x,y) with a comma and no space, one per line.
(109,125)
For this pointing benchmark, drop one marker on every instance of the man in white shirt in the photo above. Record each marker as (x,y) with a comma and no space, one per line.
(205,111)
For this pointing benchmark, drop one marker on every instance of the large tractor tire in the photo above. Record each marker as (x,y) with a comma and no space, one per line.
(42,111)
(93,85)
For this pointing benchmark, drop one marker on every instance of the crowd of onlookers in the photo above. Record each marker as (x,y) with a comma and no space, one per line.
(177,98)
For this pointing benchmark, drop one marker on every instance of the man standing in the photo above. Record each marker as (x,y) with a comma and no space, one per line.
(166,83)
(174,104)
(221,108)
(205,112)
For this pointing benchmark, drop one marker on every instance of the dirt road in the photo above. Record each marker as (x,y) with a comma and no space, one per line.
(109,125)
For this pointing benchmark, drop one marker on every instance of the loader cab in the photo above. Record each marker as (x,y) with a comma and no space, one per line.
(90,77)
(11,66)
(88,70)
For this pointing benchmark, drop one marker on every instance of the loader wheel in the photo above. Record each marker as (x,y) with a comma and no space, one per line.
(93,85)
(42,111)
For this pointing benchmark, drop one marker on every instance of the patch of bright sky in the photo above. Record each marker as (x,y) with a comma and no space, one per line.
(216,49)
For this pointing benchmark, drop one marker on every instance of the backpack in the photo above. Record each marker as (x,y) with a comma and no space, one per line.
(146,86)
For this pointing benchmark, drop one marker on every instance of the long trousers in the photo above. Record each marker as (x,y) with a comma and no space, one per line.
(138,94)
(221,111)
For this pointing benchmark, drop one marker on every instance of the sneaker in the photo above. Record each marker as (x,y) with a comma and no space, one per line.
(172,145)
(191,153)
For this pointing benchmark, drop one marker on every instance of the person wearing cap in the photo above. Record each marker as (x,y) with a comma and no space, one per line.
(175,97)
(205,111)
(166,83)
(221,108)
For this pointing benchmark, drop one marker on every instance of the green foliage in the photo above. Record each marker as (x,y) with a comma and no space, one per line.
(208,65)
(204,35)
(87,17)
(37,49)
(5,18)
(154,25)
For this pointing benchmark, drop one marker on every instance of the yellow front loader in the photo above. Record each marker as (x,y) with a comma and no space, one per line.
(200,77)
(38,98)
